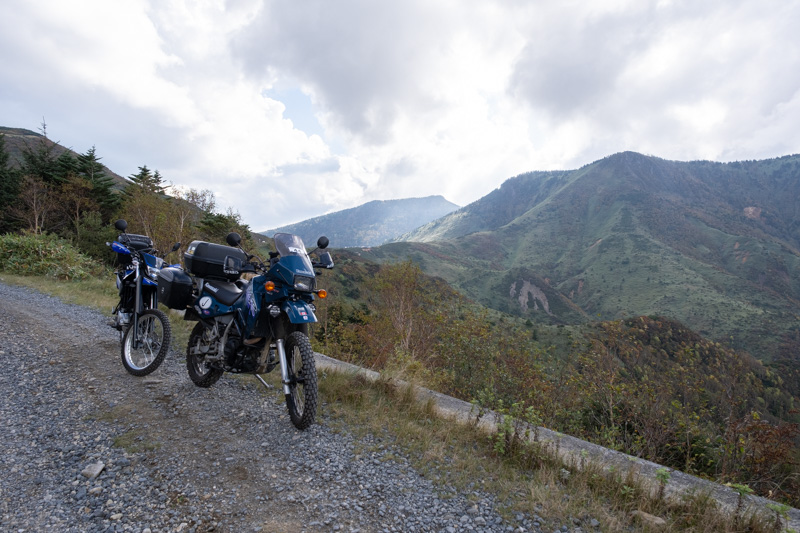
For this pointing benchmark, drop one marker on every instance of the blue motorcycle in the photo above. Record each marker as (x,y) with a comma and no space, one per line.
(251,326)
(145,331)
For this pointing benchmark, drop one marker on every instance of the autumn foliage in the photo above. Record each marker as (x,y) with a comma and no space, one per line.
(55,192)
(647,386)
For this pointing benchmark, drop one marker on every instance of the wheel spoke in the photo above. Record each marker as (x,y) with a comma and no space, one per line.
(145,354)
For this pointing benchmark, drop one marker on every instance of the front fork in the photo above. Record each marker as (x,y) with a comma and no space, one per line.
(138,306)
(284,369)
(284,366)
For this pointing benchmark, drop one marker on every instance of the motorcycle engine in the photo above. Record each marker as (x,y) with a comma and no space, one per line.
(240,358)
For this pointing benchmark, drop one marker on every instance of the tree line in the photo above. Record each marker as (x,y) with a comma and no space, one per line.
(72,196)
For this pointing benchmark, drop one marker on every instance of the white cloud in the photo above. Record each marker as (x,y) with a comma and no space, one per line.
(409,99)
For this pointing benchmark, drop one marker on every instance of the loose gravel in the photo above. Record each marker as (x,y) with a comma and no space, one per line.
(87,447)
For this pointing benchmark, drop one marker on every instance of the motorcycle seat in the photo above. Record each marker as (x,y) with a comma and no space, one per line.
(225,292)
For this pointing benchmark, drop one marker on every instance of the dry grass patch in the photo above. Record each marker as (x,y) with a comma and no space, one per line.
(135,441)
(98,293)
(526,478)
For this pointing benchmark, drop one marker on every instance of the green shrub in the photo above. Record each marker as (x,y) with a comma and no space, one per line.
(44,255)
(92,237)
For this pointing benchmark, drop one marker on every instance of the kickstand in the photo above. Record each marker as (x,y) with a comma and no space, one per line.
(267,385)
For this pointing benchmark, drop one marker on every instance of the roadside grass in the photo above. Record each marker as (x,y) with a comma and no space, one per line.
(98,293)
(524,478)
(455,457)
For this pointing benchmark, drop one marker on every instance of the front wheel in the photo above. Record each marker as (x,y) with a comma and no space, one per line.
(145,343)
(302,397)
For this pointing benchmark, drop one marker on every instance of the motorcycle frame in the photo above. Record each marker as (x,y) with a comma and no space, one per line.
(295,312)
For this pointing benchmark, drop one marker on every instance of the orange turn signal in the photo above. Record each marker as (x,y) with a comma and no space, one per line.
(322,293)
(270,286)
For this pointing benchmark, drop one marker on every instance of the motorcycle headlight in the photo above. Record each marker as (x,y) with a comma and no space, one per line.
(152,273)
(303,283)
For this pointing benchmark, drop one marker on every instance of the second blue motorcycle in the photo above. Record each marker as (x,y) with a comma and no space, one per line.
(145,331)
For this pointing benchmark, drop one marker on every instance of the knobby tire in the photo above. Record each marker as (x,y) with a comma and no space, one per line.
(154,336)
(302,398)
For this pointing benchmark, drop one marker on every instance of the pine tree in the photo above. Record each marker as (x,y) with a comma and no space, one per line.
(90,168)
(148,181)
(158,183)
(40,161)
(66,166)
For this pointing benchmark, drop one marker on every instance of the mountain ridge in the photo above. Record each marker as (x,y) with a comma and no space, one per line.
(714,245)
(370,224)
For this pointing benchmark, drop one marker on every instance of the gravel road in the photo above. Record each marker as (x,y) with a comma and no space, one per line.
(174,457)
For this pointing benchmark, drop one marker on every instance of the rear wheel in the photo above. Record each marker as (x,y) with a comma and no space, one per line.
(302,397)
(200,372)
(145,350)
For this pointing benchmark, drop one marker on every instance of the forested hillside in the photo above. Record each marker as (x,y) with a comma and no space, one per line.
(715,245)
(46,188)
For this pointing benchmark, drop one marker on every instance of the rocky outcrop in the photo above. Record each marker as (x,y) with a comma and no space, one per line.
(530,294)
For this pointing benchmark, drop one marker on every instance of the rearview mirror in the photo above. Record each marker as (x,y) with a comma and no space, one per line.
(322,242)
(325,260)
(121,225)
(233,239)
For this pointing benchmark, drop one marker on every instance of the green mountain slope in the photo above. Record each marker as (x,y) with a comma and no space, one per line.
(370,224)
(710,244)
(17,139)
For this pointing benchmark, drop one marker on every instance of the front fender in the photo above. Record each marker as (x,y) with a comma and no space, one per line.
(299,312)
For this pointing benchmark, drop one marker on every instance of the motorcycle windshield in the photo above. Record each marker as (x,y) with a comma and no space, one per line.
(153,261)
(292,245)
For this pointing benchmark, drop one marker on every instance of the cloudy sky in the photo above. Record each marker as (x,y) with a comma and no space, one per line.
(291,109)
